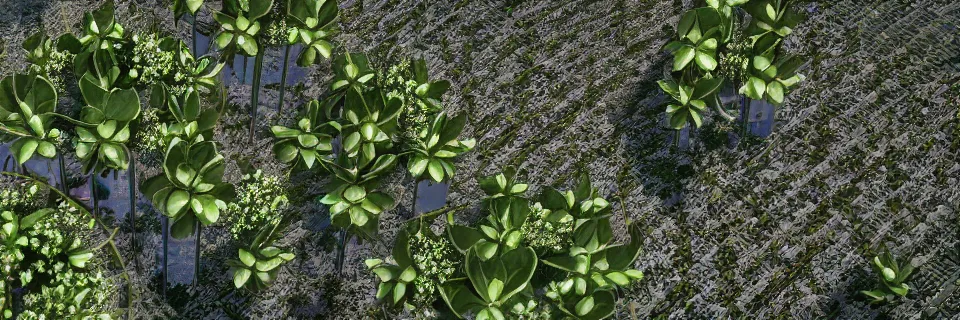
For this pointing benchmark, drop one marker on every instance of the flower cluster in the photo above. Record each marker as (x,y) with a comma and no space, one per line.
(150,137)
(545,236)
(436,260)
(259,200)
(150,62)
(416,115)
(53,67)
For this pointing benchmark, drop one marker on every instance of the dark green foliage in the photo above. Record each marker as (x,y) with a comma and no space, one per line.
(497,267)
(712,48)
(27,104)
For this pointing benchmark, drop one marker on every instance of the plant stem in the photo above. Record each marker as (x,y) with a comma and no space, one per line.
(196,257)
(132,186)
(283,80)
(255,95)
(243,77)
(745,117)
(342,251)
(93,195)
(166,241)
(63,174)
(416,193)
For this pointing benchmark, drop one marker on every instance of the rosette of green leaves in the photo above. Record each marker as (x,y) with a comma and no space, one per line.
(315,23)
(699,32)
(772,16)
(437,145)
(771,80)
(191,187)
(311,140)
(27,104)
(503,184)
(396,280)
(595,268)
(351,70)
(100,28)
(189,119)
(182,7)
(240,25)
(502,230)
(491,284)
(593,264)
(104,125)
(690,102)
(892,274)
(352,199)
(371,124)
(430,94)
(259,263)
(728,21)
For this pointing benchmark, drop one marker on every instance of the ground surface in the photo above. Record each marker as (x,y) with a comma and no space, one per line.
(865,153)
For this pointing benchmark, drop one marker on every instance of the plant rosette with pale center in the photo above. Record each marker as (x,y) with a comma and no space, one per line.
(314,24)
(437,145)
(191,188)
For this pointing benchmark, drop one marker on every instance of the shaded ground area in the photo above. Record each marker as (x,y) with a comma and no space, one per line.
(865,153)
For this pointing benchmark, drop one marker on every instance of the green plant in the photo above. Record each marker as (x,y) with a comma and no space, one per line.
(26,107)
(191,189)
(712,49)
(351,70)
(371,124)
(183,7)
(892,275)
(496,274)
(259,263)
(50,61)
(240,25)
(436,145)
(688,101)
(46,255)
(497,283)
(187,118)
(104,125)
(311,140)
(101,29)
(352,200)
(314,24)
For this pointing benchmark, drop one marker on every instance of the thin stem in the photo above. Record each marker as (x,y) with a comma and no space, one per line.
(255,95)
(283,80)
(196,256)
(166,241)
(93,195)
(63,173)
(132,187)
(243,78)
(342,246)
(416,193)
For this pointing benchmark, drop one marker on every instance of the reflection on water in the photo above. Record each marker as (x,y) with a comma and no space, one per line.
(181,259)
(761,118)
(430,196)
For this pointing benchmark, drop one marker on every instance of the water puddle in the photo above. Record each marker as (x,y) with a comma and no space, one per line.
(181,259)
(430,196)
(761,118)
